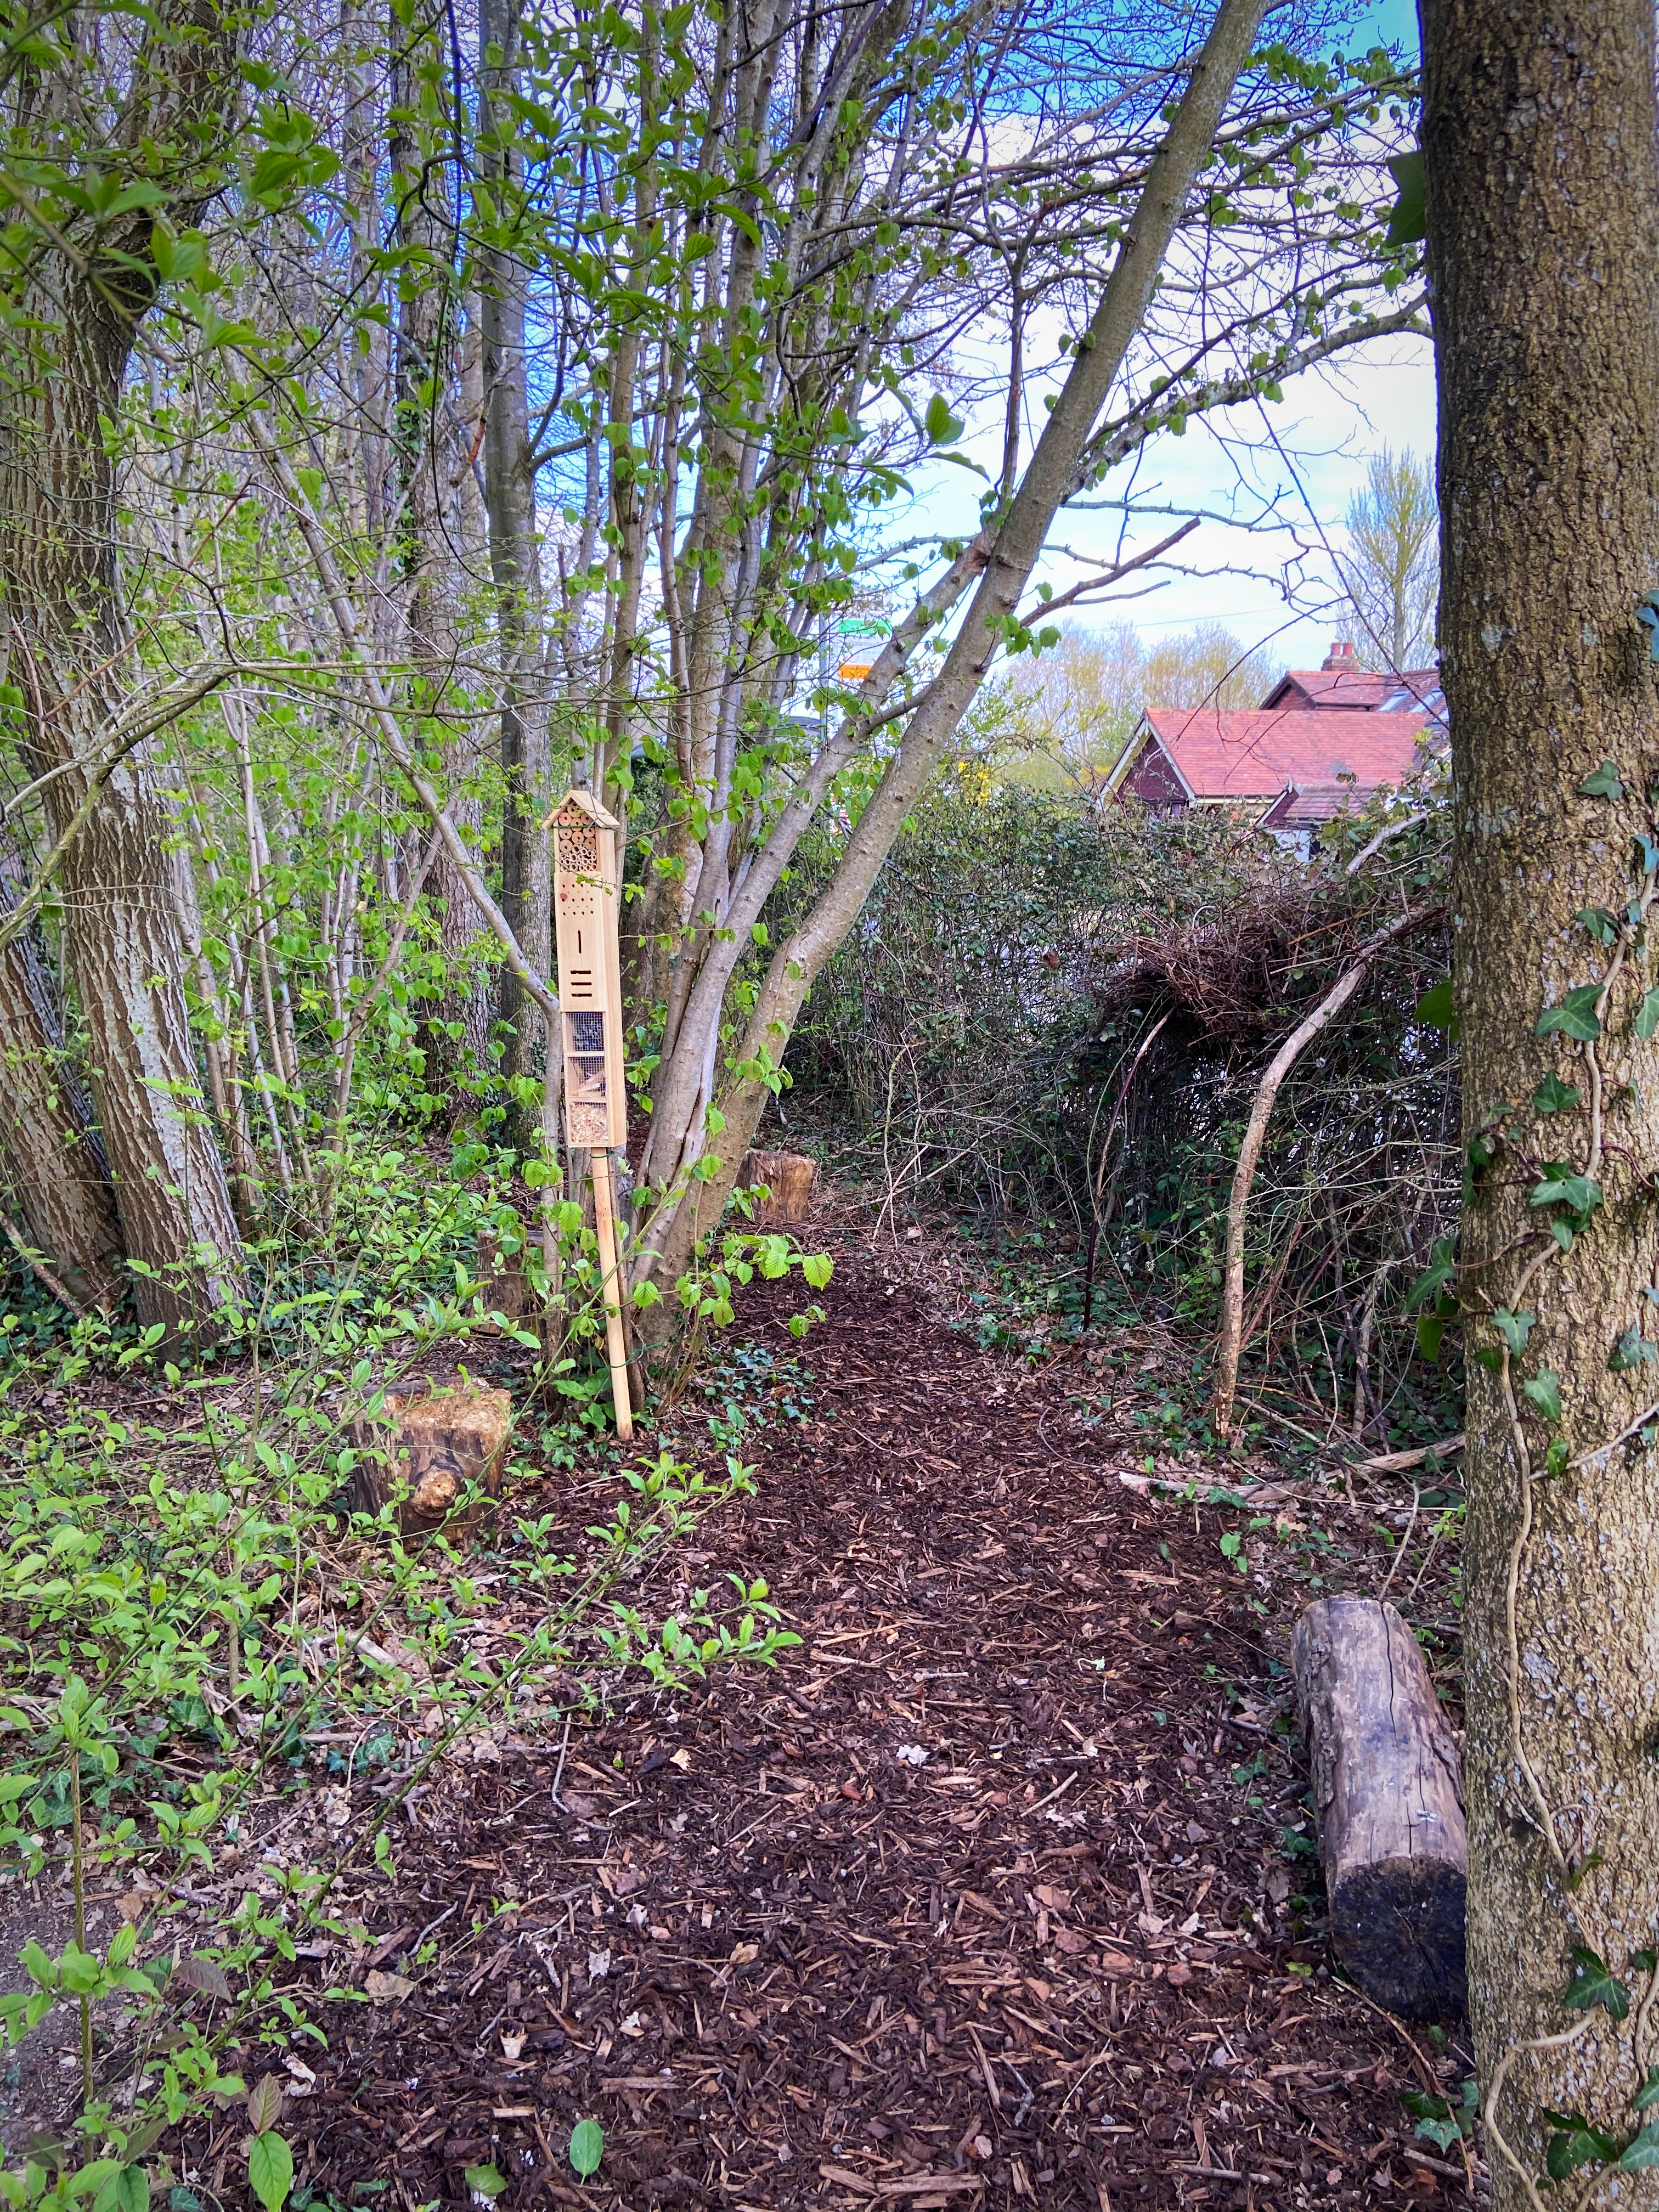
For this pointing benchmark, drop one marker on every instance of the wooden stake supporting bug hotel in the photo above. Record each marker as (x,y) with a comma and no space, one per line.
(586,899)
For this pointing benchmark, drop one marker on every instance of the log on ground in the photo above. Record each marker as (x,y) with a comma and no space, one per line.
(1388,1797)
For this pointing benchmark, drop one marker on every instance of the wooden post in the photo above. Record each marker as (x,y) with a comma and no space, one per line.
(616,1348)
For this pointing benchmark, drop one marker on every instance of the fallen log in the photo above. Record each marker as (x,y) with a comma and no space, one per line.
(438,1442)
(1387,1795)
(788,1176)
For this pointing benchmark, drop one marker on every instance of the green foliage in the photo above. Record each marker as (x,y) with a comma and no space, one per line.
(1593,1984)
(587,2147)
(1576,1017)
(270,2169)
(1439,2121)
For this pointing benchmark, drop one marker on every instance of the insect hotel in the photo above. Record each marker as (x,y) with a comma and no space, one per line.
(585,902)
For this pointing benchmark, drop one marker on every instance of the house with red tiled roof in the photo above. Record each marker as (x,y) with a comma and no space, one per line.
(1321,743)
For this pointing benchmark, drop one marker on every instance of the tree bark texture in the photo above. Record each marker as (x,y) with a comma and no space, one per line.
(1542,193)
(58,564)
(1388,1795)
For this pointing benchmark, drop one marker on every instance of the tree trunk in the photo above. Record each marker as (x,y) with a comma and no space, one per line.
(48,1158)
(58,563)
(510,500)
(1542,193)
(1050,478)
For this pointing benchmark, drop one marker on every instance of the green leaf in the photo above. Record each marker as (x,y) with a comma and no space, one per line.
(817,1267)
(1429,1330)
(1604,782)
(1563,1186)
(1407,223)
(587,2147)
(1576,1017)
(1648,2095)
(1514,1328)
(942,428)
(1443,1266)
(1435,1009)
(270,2169)
(1592,1984)
(1632,1349)
(1647,1016)
(126,2191)
(488,2180)
(1544,1391)
(1579,2144)
(1642,2156)
(1554,1096)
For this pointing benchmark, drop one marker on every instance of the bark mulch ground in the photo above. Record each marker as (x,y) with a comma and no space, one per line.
(991,1894)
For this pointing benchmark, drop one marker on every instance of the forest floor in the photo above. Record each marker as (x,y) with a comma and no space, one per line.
(999,1889)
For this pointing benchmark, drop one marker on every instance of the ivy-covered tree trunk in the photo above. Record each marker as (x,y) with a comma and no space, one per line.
(1542,194)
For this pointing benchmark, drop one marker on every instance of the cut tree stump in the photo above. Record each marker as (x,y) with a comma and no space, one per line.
(1387,1792)
(440,1441)
(789,1179)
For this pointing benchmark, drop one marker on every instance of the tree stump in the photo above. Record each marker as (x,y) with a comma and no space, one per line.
(1388,1794)
(440,1441)
(788,1176)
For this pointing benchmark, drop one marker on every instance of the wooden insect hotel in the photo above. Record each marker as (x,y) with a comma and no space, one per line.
(585,900)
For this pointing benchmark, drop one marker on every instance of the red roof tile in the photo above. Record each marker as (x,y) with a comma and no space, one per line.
(1336,689)
(1255,753)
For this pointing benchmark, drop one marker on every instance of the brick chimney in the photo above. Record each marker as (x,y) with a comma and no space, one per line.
(1342,656)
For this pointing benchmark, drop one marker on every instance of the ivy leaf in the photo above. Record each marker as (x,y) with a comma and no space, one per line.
(1407,223)
(1443,1266)
(1592,1984)
(1598,922)
(1554,1096)
(1436,1010)
(1579,2144)
(1562,1234)
(1576,1017)
(1632,1349)
(587,2147)
(1648,2095)
(1565,1186)
(1647,613)
(1514,1328)
(1604,782)
(1647,1016)
(1544,1391)
(1642,2156)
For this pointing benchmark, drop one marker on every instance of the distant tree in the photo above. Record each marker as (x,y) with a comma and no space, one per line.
(1062,721)
(1391,567)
